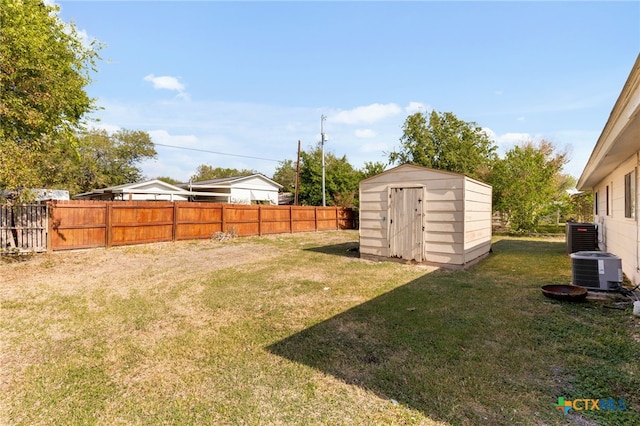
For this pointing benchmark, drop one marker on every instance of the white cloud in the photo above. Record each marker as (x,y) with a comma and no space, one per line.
(165,82)
(109,128)
(164,137)
(514,138)
(365,133)
(414,107)
(366,114)
(507,139)
(86,40)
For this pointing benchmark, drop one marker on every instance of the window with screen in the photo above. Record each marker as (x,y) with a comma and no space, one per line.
(630,195)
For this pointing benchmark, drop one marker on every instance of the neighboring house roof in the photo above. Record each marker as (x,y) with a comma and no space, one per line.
(150,187)
(230,181)
(620,137)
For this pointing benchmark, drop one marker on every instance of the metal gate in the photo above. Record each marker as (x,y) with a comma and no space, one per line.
(406,223)
(23,228)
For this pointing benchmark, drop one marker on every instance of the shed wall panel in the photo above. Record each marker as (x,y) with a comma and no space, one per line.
(372,233)
(377,196)
(477,206)
(374,215)
(377,225)
(446,237)
(444,206)
(446,258)
(475,225)
(480,197)
(477,251)
(433,226)
(445,216)
(471,237)
(444,248)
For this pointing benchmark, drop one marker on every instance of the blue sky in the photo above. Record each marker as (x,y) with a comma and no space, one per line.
(252,78)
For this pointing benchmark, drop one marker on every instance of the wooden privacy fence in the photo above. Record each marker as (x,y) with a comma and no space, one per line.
(23,228)
(87,224)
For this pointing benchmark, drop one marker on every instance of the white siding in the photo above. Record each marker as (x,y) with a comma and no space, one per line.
(153,197)
(253,189)
(618,234)
(478,220)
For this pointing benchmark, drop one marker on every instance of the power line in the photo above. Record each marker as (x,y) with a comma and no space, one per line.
(216,152)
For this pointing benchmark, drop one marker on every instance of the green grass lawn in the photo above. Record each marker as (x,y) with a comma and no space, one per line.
(314,335)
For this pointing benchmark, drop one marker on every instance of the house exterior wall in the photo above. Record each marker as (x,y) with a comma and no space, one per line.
(458,226)
(153,197)
(618,234)
(251,194)
(246,190)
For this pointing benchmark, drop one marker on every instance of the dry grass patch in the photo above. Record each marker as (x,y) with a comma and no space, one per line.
(296,329)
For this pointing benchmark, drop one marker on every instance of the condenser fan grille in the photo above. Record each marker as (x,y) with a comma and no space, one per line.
(585,273)
(581,237)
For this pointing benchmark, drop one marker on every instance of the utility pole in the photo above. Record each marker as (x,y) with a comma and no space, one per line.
(323,138)
(295,202)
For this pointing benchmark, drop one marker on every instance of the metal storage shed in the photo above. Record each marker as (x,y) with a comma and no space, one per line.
(426,215)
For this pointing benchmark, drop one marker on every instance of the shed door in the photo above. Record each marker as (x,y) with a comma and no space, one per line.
(406,223)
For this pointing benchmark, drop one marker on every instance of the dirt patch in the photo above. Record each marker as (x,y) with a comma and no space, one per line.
(120,269)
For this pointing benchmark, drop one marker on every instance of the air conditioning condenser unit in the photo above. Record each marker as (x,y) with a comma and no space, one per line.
(581,236)
(596,270)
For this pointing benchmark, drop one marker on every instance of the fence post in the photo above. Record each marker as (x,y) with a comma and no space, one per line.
(224,218)
(108,219)
(174,228)
(337,225)
(50,210)
(291,219)
(315,217)
(259,220)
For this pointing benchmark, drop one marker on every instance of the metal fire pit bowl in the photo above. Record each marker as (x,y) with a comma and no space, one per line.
(568,292)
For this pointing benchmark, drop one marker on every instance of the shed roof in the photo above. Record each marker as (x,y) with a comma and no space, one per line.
(415,167)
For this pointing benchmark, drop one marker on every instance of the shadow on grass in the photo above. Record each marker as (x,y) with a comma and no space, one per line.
(395,345)
(442,344)
(349,249)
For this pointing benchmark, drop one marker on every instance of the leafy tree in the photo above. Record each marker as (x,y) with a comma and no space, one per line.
(98,160)
(206,172)
(44,68)
(442,141)
(109,160)
(561,206)
(526,183)
(372,169)
(285,175)
(580,207)
(341,179)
